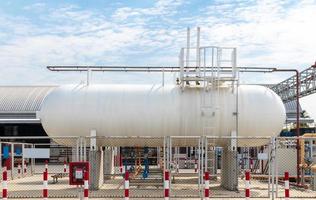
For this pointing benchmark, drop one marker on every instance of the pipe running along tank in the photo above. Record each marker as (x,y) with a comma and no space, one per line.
(157,111)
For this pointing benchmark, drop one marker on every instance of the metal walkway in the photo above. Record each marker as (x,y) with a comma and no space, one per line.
(307,85)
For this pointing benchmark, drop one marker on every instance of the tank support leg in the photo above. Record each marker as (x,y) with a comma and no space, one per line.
(229,165)
(96,168)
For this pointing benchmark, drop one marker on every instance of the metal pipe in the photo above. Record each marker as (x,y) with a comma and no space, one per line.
(188,48)
(198,51)
(298,171)
(159,69)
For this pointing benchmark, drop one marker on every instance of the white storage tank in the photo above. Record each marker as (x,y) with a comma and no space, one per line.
(149,110)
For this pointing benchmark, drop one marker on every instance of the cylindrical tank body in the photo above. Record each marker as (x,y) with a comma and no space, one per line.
(147,110)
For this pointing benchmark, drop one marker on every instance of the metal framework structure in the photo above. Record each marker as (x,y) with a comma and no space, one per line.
(307,85)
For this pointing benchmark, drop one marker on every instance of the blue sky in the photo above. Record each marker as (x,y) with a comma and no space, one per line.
(34,34)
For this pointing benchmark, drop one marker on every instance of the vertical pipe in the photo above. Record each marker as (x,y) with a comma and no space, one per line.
(81,149)
(273,165)
(170,152)
(206,156)
(77,150)
(198,63)
(188,48)
(0,154)
(164,153)
(297,128)
(12,161)
(32,162)
(199,153)
(23,163)
(158,157)
(269,171)
(84,149)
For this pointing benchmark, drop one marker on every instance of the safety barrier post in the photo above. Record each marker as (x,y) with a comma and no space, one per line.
(247,188)
(166,185)
(86,186)
(126,186)
(195,166)
(19,170)
(286,185)
(65,167)
(206,186)
(45,185)
(4,184)
(46,166)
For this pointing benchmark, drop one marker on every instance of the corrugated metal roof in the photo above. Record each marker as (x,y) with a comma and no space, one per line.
(22,99)
(290,108)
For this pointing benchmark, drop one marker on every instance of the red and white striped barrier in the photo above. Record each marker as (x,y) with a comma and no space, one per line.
(287,185)
(65,167)
(4,184)
(46,166)
(247,185)
(195,166)
(166,185)
(86,186)
(126,186)
(25,168)
(206,186)
(19,170)
(45,185)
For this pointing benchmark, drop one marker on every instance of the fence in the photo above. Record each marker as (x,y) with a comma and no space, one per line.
(225,160)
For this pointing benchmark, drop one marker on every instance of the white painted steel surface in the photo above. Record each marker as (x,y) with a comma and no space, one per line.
(147,110)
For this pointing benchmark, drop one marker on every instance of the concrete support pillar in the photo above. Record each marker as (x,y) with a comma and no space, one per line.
(230,165)
(108,166)
(229,170)
(96,159)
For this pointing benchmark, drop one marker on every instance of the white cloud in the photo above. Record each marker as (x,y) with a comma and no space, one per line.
(35,7)
(267,33)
